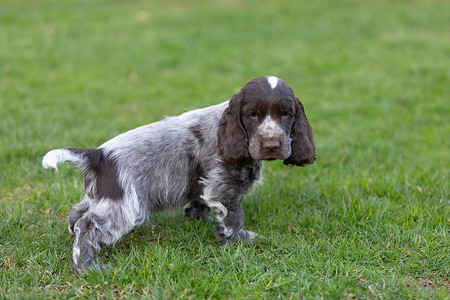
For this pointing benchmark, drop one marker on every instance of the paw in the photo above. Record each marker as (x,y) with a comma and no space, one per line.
(81,270)
(193,210)
(189,211)
(249,236)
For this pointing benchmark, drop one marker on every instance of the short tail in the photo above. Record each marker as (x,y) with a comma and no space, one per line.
(80,157)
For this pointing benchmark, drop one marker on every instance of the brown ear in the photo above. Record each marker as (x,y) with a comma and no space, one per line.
(302,145)
(231,134)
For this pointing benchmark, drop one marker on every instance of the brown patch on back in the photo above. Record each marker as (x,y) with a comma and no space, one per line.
(103,171)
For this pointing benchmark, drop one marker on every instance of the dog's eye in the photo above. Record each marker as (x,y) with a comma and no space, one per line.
(253,115)
(286,114)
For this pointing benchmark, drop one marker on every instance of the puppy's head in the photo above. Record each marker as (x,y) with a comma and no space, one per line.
(265,121)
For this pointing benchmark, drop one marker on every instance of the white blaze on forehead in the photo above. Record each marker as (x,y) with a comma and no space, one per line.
(273,81)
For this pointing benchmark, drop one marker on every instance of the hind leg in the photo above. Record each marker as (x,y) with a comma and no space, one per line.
(77,211)
(103,226)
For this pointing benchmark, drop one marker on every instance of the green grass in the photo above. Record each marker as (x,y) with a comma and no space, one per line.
(370,219)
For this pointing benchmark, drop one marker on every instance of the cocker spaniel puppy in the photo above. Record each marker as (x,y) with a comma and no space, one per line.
(205,159)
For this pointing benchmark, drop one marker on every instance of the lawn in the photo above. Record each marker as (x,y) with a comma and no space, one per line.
(369,219)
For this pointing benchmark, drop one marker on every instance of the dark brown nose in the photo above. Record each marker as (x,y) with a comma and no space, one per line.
(271,144)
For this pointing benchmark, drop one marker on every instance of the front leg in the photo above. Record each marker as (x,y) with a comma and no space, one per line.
(197,210)
(223,192)
(229,228)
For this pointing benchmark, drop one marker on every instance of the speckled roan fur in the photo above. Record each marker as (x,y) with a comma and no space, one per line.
(205,159)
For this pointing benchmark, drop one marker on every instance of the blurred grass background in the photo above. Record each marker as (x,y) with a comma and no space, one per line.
(369,219)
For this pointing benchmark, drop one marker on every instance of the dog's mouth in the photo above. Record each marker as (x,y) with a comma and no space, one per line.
(271,155)
(268,151)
